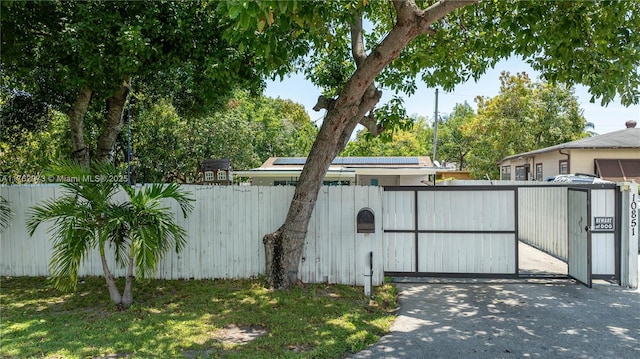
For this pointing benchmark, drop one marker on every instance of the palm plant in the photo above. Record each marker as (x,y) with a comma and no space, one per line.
(5,213)
(141,229)
(145,230)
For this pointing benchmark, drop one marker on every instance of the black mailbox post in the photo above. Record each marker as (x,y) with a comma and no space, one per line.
(366,221)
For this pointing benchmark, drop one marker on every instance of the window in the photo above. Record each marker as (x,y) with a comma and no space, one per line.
(336,183)
(505,173)
(521,173)
(564,167)
(538,171)
(208,176)
(285,183)
(374,181)
(222,175)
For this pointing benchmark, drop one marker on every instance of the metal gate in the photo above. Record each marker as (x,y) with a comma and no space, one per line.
(579,227)
(468,231)
(544,224)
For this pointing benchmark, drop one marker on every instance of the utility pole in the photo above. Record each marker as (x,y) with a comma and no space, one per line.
(435,131)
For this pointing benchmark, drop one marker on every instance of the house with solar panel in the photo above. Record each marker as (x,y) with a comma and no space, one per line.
(348,171)
(613,156)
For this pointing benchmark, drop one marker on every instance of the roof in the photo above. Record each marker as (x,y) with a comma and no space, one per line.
(627,138)
(348,166)
(351,162)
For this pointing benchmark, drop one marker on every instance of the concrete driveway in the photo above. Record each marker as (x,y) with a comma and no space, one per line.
(533,318)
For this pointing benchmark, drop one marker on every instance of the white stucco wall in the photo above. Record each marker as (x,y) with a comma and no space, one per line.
(580,160)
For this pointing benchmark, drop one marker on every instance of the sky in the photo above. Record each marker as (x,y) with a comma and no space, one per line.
(606,119)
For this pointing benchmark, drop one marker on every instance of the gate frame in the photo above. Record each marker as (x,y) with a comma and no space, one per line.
(589,239)
(416,231)
(617,276)
(617,231)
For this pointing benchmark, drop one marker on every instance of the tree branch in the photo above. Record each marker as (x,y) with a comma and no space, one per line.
(324,103)
(357,40)
(370,99)
(440,9)
(408,11)
(113,123)
(370,123)
(76,125)
(372,94)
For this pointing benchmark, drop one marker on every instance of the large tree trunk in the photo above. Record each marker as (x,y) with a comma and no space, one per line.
(358,97)
(113,122)
(76,125)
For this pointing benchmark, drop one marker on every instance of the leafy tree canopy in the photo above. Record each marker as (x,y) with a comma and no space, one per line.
(523,117)
(572,42)
(355,49)
(32,134)
(247,130)
(82,57)
(453,142)
(51,47)
(415,141)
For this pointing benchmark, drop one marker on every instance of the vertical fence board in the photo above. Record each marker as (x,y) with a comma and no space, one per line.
(225,230)
(603,244)
(542,219)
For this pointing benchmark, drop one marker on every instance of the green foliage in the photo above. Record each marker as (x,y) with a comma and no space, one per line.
(573,42)
(188,318)
(417,140)
(53,47)
(146,226)
(87,216)
(453,143)
(593,43)
(525,116)
(247,130)
(82,218)
(36,149)
(5,213)
(21,113)
(32,134)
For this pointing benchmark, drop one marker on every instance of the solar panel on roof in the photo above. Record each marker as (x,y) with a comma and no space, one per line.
(376,161)
(290,161)
(353,161)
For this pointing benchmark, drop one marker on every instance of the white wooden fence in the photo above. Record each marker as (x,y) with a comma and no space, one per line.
(542,219)
(225,233)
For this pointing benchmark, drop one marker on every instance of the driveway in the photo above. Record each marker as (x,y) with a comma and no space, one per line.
(533,318)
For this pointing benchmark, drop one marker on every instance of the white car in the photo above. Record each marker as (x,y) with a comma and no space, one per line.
(579,178)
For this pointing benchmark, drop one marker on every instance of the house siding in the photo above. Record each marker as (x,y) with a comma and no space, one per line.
(580,160)
(365,180)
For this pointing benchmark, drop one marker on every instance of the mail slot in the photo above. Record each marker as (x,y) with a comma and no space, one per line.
(366,221)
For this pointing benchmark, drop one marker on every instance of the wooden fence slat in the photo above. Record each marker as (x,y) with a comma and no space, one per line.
(224,234)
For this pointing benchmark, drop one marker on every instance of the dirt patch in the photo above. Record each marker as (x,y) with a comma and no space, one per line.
(115,356)
(240,334)
(300,348)
(232,334)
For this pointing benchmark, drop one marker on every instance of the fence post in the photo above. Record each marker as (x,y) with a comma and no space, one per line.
(629,235)
(368,282)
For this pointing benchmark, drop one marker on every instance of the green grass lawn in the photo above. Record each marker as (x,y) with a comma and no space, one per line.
(192,319)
